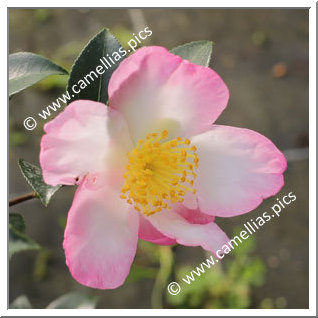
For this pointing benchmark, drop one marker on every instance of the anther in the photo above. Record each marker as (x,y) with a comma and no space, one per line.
(156,174)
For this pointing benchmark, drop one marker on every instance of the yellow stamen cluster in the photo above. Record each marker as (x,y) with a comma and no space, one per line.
(159,172)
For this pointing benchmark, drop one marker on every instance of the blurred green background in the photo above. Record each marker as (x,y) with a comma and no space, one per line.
(262,55)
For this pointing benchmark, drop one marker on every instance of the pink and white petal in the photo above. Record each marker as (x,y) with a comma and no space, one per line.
(173,225)
(157,90)
(86,137)
(190,200)
(101,235)
(148,232)
(194,216)
(238,168)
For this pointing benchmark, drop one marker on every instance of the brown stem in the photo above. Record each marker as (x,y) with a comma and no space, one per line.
(22,198)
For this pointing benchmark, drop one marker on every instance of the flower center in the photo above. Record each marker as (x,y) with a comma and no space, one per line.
(159,172)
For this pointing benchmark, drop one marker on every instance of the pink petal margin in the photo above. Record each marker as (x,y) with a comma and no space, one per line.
(101,234)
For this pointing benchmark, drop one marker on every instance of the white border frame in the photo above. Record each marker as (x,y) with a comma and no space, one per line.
(312,169)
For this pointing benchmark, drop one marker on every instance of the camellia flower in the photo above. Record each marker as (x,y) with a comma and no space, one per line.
(152,166)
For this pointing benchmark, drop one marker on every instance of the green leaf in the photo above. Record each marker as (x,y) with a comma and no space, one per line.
(21,302)
(18,241)
(198,52)
(33,175)
(90,58)
(25,69)
(74,300)
(17,222)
